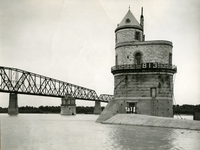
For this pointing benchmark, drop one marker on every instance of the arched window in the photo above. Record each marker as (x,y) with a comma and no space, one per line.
(170,58)
(138,58)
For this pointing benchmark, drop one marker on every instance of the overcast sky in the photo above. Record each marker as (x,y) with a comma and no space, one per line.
(73,41)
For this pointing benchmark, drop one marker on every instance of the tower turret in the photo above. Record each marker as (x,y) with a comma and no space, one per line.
(129,29)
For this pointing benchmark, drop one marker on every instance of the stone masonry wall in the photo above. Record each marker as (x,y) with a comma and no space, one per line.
(126,35)
(137,88)
(139,85)
(162,108)
(150,53)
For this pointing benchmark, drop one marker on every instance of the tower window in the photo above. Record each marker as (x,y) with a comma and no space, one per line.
(138,58)
(128,20)
(137,35)
(170,58)
(116,60)
(153,92)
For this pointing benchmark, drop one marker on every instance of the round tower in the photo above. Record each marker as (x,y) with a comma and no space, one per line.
(143,73)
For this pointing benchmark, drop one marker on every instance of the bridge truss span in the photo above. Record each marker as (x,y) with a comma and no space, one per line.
(14,80)
(106,97)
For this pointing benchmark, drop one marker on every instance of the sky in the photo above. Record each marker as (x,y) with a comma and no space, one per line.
(74,41)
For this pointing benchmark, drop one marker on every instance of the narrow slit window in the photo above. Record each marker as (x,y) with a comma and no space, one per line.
(170,58)
(116,60)
(137,35)
(153,92)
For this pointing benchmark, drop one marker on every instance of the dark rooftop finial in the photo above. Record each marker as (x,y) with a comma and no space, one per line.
(142,11)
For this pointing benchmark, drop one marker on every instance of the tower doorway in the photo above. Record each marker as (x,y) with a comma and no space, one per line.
(131,108)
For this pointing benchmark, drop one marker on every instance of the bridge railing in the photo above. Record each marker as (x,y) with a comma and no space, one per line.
(14,80)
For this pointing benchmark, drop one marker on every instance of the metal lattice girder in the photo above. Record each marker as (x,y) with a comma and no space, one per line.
(14,80)
(106,97)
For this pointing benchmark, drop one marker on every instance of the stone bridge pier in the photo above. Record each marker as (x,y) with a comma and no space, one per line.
(97,108)
(13,104)
(68,105)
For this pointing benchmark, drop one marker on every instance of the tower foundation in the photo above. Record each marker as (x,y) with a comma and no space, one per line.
(13,104)
(111,109)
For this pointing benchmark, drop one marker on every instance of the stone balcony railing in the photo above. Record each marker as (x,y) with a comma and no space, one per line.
(145,67)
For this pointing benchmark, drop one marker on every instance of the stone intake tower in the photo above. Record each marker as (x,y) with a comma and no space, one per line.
(143,72)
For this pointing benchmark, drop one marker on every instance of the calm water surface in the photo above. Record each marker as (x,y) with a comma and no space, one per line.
(80,132)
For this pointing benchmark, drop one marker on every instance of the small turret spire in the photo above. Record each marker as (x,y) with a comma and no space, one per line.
(142,18)
(142,23)
(142,11)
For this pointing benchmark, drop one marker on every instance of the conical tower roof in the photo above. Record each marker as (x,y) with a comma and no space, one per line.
(129,21)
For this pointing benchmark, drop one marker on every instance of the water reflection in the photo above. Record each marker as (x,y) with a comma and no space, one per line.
(186,139)
(151,138)
(136,137)
(52,131)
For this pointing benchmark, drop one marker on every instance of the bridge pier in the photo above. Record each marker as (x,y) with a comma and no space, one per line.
(68,105)
(13,104)
(97,108)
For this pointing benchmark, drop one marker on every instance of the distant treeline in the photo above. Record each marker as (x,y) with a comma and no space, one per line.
(50,109)
(186,109)
(183,109)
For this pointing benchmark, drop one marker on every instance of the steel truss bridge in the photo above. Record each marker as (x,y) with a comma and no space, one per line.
(14,80)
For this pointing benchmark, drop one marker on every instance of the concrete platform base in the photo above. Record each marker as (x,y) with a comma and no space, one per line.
(112,108)
(144,120)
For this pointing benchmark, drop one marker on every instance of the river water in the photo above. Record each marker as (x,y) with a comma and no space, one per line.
(80,132)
